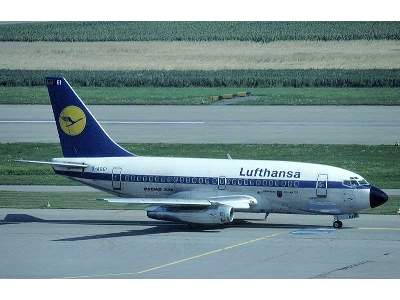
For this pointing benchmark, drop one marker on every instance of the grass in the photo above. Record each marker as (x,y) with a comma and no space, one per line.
(195,95)
(29,200)
(198,31)
(207,78)
(59,200)
(183,55)
(378,164)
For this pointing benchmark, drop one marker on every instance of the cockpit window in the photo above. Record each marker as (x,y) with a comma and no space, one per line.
(354,181)
(346,182)
(363,182)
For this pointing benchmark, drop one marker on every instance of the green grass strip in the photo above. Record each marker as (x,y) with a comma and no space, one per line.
(59,200)
(54,200)
(197,96)
(379,164)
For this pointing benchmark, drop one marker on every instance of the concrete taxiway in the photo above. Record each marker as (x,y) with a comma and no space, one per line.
(217,124)
(126,244)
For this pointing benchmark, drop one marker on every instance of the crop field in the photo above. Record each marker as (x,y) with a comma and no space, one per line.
(378,164)
(200,95)
(198,31)
(201,78)
(183,55)
(215,56)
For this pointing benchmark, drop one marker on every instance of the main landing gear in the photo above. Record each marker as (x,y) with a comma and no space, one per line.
(337,224)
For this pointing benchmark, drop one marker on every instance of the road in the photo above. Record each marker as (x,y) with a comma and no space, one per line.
(51,243)
(217,124)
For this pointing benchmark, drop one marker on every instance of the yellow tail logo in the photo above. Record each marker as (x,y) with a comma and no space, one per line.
(72,120)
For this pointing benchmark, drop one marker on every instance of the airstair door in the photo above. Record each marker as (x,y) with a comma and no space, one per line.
(116,179)
(322,185)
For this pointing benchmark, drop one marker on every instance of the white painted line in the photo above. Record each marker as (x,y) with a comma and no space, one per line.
(380,228)
(178,261)
(152,122)
(24,121)
(106,122)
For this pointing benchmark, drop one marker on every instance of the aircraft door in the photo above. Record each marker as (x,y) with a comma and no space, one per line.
(349,196)
(221,182)
(322,185)
(116,178)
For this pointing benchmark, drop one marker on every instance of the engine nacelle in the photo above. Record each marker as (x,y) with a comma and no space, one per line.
(215,214)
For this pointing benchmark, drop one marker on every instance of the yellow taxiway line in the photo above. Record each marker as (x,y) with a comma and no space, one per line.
(208,253)
(178,261)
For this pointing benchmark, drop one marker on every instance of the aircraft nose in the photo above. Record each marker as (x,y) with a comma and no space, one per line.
(377,197)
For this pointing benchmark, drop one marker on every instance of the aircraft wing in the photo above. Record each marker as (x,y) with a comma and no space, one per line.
(54,163)
(236,201)
(160,201)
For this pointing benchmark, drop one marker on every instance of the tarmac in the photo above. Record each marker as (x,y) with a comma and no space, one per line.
(51,243)
(217,124)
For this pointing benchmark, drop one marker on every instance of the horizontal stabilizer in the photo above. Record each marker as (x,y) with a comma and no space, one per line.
(53,163)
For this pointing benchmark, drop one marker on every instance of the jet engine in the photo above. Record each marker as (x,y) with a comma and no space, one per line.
(213,215)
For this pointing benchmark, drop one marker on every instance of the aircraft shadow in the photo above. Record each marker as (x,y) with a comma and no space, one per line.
(156,227)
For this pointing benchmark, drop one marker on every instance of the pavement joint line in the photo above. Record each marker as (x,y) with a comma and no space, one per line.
(177,261)
(379,228)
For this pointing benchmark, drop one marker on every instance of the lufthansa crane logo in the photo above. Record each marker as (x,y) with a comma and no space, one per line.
(72,120)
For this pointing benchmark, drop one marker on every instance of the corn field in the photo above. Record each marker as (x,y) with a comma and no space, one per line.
(204,78)
(198,31)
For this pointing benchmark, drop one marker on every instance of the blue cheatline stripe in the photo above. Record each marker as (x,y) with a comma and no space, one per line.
(203,180)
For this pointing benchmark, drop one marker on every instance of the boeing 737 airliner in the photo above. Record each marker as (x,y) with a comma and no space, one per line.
(197,190)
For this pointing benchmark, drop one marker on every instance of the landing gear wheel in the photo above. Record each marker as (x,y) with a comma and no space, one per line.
(337,224)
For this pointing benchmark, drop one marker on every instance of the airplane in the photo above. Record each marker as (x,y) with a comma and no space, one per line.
(198,190)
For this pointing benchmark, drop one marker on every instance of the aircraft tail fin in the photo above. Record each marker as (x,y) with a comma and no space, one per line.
(79,132)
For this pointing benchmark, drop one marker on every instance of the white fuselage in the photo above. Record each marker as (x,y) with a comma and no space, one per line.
(278,186)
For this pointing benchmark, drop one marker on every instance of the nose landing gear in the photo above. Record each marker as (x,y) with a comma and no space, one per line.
(336,219)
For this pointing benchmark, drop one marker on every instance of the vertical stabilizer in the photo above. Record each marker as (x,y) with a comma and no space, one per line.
(80,133)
